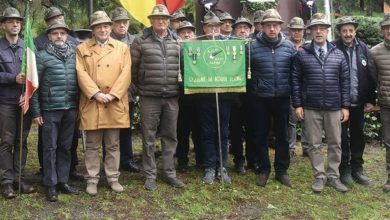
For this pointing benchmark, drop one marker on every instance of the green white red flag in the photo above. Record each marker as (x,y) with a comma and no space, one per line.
(29,65)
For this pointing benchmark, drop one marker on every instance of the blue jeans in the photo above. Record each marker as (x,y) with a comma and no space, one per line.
(207,115)
(262,110)
(126,144)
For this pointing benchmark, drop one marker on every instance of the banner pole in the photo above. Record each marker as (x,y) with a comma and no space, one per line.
(219,130)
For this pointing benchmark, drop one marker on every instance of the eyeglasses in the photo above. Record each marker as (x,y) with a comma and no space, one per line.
(318,28)
(55,33)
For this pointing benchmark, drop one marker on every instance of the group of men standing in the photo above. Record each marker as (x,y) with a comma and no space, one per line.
(325,85)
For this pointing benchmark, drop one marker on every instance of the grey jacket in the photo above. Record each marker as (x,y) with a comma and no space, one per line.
(155,64)
(379,60)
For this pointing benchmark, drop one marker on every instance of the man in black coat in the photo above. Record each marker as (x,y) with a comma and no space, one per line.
(362,99)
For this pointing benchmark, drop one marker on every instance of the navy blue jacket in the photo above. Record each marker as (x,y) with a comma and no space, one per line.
(10,66)
(366,85)
(320,85)
(271,67)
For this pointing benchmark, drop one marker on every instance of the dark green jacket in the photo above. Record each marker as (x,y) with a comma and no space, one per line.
(58,88)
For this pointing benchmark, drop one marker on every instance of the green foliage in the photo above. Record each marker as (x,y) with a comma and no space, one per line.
(372,126)
(368,30)
(252,7)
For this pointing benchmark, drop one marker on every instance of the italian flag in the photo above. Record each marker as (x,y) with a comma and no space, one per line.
(140,9)
(29,65)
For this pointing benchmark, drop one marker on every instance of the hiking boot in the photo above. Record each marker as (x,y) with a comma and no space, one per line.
(209,176)
(175,182)
(386,187)
(346,178)
(337,184)
(150,184)
(262,179)
(51,194)
(224,176)
(360,178)
(91,189)
(240,169)
(318,185)
(116,186)
(8,191)
(284,179)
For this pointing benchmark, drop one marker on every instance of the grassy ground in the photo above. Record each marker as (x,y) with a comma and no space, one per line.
(240,200)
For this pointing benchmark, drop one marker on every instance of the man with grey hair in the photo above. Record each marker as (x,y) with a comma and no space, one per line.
(321,98)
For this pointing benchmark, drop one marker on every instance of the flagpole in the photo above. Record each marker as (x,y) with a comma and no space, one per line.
(26,14)
(21,141)
(219,130)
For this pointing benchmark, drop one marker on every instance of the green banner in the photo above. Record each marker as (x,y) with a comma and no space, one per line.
(214,66)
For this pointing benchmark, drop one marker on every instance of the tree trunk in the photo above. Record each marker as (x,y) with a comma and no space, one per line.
(369,7)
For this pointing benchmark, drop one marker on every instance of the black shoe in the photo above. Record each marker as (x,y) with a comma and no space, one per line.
(66,189)
(240,169)
(8,191)
(284,179)
(360,178)
(25,187)
(131,167)
(173,181)
(262,179)
(51,194)
(74,175)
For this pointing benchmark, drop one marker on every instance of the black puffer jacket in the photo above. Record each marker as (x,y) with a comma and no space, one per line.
(58,89)
(155,64)
(320,85)
(365,83)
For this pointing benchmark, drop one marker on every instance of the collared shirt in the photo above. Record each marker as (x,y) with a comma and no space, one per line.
(317,48)
(101,44)
(157,36)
